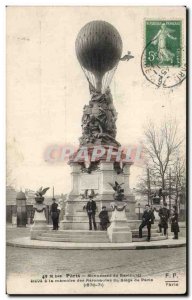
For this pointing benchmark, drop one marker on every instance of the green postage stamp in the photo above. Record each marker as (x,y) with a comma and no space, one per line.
(163,43)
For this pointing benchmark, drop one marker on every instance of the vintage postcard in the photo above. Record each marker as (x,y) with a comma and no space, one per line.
(96,150)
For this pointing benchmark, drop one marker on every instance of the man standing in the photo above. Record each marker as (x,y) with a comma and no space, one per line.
(147,219)
(54,214)
(91,210)
(164,215)
(174,223)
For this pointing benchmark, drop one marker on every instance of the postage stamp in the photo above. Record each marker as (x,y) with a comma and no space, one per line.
(163,60)
(164,43)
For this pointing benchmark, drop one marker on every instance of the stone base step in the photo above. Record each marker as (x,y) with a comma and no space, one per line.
(84,224)
(155,230)
(153,238)
(134,225)
(90,234)
(75,239)
(153,234)
(93,240)
(79,236)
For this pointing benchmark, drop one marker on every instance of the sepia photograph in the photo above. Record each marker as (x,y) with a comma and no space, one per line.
(96,114)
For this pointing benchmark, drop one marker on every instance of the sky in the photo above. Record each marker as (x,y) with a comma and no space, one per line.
(46,88)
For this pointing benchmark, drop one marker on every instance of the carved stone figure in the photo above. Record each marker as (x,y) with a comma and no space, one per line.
(98,120)
(87,194)
(119,192)
(40,192)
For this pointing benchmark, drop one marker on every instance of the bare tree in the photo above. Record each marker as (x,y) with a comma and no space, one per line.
(178,178)
(161,147)
(142,185)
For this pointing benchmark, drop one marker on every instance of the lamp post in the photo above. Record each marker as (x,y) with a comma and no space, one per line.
(170,189)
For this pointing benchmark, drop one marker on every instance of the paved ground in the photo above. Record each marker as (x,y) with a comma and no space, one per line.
(151,262)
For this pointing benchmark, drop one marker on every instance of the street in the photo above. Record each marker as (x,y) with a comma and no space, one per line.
(151,262)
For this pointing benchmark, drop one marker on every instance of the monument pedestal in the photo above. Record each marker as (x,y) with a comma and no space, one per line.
(99,179)
(40,223)
(119,230)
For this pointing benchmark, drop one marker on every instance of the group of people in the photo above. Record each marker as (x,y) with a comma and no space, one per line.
(148,218)
(91,209)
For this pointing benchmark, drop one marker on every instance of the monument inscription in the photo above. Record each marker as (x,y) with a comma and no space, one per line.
(90,181)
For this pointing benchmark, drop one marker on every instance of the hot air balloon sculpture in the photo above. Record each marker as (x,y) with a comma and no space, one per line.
(99,48)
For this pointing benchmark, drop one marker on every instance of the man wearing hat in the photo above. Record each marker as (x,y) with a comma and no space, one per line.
(164,215)
(147,219)
(91,210)
(54,214)
(174,223)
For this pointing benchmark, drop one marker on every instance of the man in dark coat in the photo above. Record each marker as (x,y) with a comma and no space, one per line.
(91,210)
(164,215)
(147,219)
(54,214)
(174,223)
(104,218)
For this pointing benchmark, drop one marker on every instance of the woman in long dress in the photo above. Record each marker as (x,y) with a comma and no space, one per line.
(164,54)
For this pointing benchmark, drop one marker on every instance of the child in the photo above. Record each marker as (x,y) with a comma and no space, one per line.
(104,218)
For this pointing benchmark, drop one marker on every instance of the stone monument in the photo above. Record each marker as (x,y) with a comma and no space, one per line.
(119,230)
(99,161)
(21,209)
(40,223)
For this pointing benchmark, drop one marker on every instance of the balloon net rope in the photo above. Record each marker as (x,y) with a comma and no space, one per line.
(107,78)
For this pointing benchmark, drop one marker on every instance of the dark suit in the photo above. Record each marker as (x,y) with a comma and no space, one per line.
(164,215)
(147,219)
(175,224)
(91,209)
(104,219)
(55,216)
